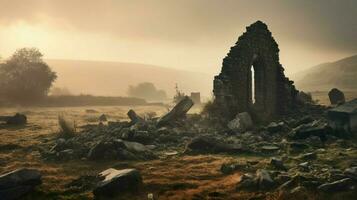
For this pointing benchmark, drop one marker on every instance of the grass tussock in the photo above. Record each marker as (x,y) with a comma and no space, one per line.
(67,129)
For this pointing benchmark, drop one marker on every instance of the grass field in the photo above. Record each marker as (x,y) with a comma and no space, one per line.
(171,177)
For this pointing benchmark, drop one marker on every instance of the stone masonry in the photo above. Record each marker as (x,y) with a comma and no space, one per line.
(274,94)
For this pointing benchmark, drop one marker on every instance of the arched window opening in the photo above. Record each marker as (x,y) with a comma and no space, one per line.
(252,83)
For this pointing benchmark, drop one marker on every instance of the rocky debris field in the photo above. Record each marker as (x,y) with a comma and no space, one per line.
(296,157)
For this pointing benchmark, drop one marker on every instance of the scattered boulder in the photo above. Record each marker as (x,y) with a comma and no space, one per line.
(336,96)
(304,120)
(264,180)
(229,168)
(316,128)
(116,182)
(18,183)
(336,186)
(103,118)
(297,146)
(17,119)
(208,144)
(269,148)
(351,173)
(278,164)
(275,127)
(103,150)
(119,149)
(241,123)
(247,182)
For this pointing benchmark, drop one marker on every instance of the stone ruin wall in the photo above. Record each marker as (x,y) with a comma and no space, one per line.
(274,93)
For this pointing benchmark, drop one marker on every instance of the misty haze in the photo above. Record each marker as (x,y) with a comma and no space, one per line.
(178,99)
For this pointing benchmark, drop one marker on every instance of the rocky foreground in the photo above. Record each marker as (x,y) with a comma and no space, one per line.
(307,158)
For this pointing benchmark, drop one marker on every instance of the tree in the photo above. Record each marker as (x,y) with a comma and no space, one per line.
(58,91)
(147,91)
(25,77)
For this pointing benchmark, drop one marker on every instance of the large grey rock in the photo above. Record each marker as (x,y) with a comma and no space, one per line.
(229,168)
(336,96)
(117,182)
(241,123)
(16,184)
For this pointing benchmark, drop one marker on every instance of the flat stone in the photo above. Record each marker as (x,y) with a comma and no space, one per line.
(275,127)
(336,186)
(309,156)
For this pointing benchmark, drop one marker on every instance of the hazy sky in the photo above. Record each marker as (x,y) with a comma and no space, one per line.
(185,34)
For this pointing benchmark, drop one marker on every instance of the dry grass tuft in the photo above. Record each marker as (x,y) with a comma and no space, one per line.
(67,128)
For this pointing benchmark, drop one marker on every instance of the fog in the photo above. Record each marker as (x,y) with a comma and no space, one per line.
(186,35)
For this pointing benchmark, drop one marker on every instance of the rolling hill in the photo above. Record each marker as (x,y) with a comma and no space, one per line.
(114,78)
(341,74)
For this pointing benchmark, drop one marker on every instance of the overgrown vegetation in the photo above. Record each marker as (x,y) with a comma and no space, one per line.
(147,91)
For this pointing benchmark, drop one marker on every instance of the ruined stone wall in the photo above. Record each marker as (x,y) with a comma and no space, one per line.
(274,93)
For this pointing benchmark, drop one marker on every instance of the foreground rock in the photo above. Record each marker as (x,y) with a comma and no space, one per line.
(241,123)
(18,183)
(117,182)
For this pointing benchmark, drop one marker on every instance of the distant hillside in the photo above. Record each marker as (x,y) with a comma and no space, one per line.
(341,74)
(113,78)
